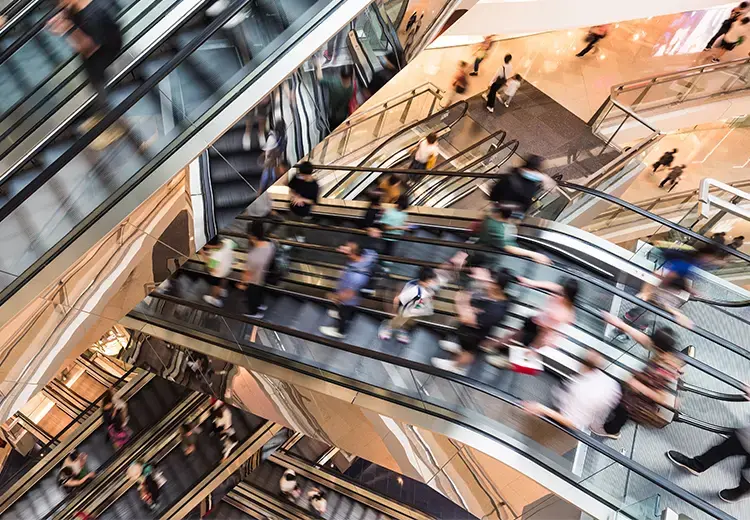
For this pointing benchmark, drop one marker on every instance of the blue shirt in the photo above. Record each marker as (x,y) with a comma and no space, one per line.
(356,275)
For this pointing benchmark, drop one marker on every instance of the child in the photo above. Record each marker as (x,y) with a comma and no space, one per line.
(219,256)
(414,300)
(511,87)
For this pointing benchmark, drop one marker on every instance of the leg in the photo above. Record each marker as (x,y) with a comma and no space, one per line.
(493,93)
(729,448)
(508,100)
(586,50)
(477,61)
(616,420)
(346,314)
(389,247)
(254,297)
(661,185)
(657,165)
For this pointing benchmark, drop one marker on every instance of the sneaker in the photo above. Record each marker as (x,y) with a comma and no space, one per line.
(716,60)
(384,332)
(403,337)
(733,495)
(498,361)
(599,432)
(450,346)
(683,461)
(333,313)
(449,365)
(506,104)
(300,239)
(262,308)
(247,142)
(485,96)
(258,315)
(211,300)
(217,8)
(331,332)
(490,109)
(472,73)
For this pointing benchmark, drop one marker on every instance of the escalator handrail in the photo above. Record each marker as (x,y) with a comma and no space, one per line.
(489,390)
(114,115)
(711,371)
(57,88)
(24,9)
(50,445)
(30,33)
(465,108)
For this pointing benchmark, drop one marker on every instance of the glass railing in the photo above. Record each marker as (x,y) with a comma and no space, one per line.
(370,125)
(477,406)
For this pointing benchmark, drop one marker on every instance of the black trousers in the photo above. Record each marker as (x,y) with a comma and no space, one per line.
(477,61)
(254,295)
(346,314)
(725,26)
(494,88)
(617,419)
(667,180)
(96,69)
(593,40)
(731,447)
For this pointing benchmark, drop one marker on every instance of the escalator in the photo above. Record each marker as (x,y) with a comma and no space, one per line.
(180,98)
(36,493)
(297,308)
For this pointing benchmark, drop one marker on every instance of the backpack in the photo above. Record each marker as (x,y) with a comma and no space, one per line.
(279,264)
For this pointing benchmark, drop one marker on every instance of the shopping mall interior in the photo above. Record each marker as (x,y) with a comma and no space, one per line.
(368,260)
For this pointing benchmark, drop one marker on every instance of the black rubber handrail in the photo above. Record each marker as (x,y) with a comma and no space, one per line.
(114,115)
(464,106)
(28,34)
(598,446)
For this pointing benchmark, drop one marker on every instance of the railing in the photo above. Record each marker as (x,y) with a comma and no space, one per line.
(367,126)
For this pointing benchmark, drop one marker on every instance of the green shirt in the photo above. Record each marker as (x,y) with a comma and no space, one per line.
(338,97)
(497,234)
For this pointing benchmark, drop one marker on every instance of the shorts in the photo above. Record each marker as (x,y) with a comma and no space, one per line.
(469,339)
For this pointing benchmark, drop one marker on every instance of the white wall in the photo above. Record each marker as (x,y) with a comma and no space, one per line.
(510,18)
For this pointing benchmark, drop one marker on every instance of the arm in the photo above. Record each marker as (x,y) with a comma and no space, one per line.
(540,410)
(539,284)
(539,258)
(634,333)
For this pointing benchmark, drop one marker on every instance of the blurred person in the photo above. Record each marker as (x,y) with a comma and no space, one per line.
(498,231)
(736,35)
(371,221)
(391,187)
(389,69)
(415,300)
(257,265)
(70,482)
(737,242)
(221,418)
(502,75)
(274,152)
(510,89)
(594,36)
(412,20)
(542,329)
(522,184)
(736,445)
(318,501)
(355,277)
(425,153)
(113,406)
(459,83)
(479,312)
(119,434)
(218,255)
(673,176)
(649,389)
(229,442)
(340,90)
(586,400)
(734,15)
(149,485)
(480,52)
(393,224)
(288,485)
(188,439)
(665,160)
(303,195)
(720,237)
(97,38)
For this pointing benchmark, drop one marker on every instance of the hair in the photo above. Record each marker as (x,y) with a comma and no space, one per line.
(674,150)
(257,230)
(462,64)
(570,289)
(305,168)
(393,179)
(663,339)
(373,196)
(290,477)
(354,247)
(501,278)
(402,202)
(186,427)
(319,494)
(107,397)
(65,473)
(426,273)
(432,137)
(738,238)
(517,77)
(534,162)
(507,58)
(347,72)
(676,282)
(74,454)
(743,5)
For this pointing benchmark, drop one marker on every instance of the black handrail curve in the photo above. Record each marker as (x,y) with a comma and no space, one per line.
(596,445)
(362,166)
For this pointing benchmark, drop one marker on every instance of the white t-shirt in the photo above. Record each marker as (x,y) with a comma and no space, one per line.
(589,398)
(416,300)
(511,87)
(220,261)
(505,71)
(426,150)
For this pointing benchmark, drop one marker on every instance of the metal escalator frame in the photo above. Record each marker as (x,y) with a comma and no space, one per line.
(434,410)
(362,163)
(49,139)
(56,450)
(287,51)
(29,33)
(75,73)
(247,495)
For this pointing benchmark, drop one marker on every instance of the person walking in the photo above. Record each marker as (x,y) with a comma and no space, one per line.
(393,224)
(737,242)
(734,37)
(665,160)
(188,439)
(673,176)
(355,277)
(522,185)
(303,195)
(459,84)
(734,15)
(288,485)
(501,77)
(113,407)
(510,89)
(736,445)
(218,255)
(594,36)
(318,502)
(424,155)
(339,89)
(481,50)
(586,400)
(258,262)
(479,312)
